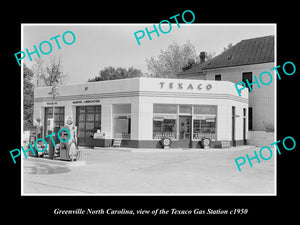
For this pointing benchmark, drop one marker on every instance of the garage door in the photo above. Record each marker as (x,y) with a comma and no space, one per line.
(88,121)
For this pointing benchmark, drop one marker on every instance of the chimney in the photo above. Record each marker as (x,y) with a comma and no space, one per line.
(202,57)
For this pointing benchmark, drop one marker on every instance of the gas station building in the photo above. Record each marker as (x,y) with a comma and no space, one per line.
(142,111)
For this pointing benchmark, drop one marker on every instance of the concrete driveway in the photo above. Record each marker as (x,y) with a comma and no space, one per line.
(155,172)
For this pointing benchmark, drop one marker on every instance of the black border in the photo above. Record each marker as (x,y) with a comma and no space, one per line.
(39,208)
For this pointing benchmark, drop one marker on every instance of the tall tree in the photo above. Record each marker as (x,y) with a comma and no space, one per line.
(54,73)
(27,98)
(171,61)
(111,73)
(39,72)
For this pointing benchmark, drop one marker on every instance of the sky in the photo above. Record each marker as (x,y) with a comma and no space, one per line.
(101,45)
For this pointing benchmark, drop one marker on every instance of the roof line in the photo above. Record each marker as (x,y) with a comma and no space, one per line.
(235,65)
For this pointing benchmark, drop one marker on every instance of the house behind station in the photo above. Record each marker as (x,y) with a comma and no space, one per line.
(242,61)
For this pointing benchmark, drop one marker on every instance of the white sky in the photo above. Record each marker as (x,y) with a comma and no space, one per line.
(100,45)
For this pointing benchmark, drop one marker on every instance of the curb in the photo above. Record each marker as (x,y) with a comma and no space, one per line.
(57,162)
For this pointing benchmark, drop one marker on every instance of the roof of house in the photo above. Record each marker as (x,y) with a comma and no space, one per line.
(197,69)
(249,51)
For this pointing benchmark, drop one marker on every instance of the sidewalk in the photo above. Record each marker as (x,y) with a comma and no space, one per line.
(244,147)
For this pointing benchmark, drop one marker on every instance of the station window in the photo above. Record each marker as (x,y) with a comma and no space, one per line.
(165,121)
(205,109)
(121,121)
(204,122)
(169,121)
(59,119)
(165,108)
(59,115)
(164,127)
(185,109)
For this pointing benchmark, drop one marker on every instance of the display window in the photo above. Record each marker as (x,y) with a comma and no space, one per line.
(165,121)
(184,121)
(164,126)
(204,122)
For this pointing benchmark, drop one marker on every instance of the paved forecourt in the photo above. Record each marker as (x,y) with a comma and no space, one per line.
(150,171)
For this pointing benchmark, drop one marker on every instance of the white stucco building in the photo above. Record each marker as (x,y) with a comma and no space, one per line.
(141,111)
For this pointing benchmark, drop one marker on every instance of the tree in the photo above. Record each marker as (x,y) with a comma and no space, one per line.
(191,63)
(54,77)
(170,62)
(27,98)
(38,71)
(111,73)
(54,74)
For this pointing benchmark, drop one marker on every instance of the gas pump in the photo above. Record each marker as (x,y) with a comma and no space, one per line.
(36,133)
(49,130)
(69,150)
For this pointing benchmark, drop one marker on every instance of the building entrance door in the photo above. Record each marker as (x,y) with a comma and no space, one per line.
(185,131)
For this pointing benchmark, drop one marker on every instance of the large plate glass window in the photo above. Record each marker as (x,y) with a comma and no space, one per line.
(204,122)
(165,121)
